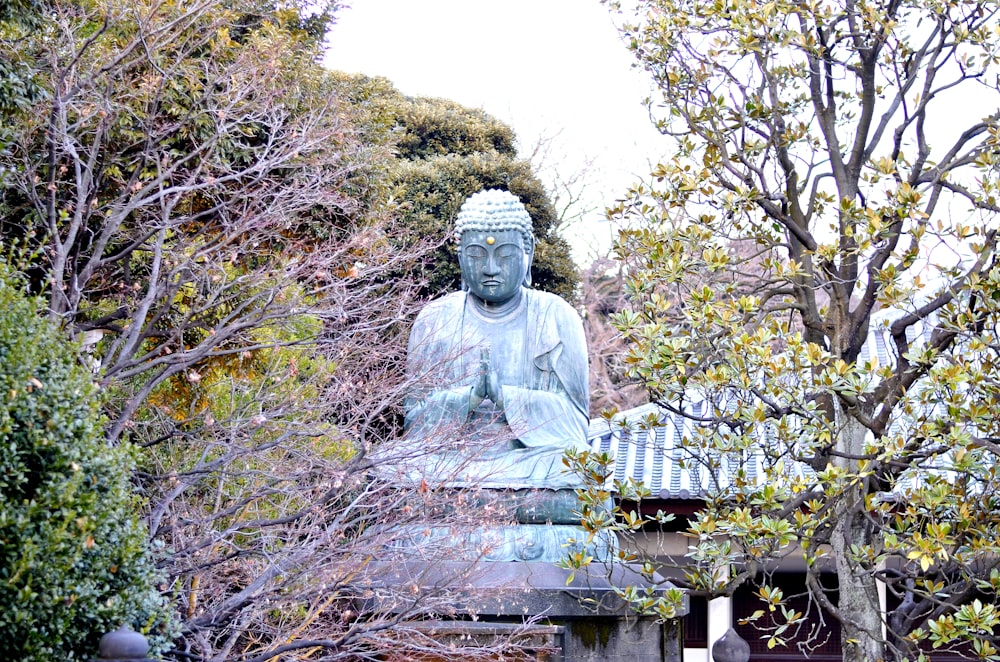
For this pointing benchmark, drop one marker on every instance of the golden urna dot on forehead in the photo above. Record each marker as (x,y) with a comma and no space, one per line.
(491,240)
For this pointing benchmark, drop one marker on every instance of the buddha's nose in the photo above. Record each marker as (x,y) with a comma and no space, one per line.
(491,268)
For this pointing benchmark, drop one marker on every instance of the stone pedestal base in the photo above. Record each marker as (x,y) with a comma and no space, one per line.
(573,620)
(541,543)
(505,581)
(580,640)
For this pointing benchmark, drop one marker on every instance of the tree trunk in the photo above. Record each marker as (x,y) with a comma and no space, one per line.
(860,610)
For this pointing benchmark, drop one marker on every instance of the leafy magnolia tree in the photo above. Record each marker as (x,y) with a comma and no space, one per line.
(198,204)
(814,273)
(72,552)
(446,152)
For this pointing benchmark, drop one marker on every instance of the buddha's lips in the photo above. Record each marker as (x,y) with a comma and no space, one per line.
(492,283)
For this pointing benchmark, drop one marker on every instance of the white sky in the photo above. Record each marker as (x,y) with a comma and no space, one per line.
(547,67)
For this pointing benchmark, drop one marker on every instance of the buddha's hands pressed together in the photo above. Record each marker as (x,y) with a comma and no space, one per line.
(500,340)
(487,386)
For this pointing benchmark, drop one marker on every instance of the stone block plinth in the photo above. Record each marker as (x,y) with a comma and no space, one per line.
(592,623)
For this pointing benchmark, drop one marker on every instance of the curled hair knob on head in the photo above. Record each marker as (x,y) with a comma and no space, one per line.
(494,210)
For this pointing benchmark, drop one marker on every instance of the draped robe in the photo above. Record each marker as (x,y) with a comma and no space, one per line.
(538,353)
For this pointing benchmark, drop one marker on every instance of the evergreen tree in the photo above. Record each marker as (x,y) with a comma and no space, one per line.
(73,563)
(446,153)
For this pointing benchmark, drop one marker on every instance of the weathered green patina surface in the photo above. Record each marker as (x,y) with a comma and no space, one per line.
(502,367)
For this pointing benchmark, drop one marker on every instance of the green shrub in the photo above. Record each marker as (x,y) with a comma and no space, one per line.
(72,553)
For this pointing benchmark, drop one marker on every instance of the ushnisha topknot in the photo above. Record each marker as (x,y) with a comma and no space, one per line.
(493,210)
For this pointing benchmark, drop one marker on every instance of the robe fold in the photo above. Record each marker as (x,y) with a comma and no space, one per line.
(538,353)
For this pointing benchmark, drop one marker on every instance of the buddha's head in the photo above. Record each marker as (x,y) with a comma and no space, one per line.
(495,245)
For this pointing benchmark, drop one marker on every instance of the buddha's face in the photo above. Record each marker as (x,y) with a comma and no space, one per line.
(494,264)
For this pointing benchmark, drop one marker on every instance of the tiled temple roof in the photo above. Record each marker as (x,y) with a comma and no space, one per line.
(656,456)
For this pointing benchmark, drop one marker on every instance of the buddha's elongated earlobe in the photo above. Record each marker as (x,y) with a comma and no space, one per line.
(529,256)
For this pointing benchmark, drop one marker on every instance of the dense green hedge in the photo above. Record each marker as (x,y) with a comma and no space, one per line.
(72,554)
(446,153)
(434,189)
